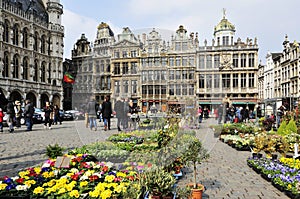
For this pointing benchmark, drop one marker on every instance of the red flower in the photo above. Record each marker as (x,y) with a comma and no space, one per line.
(105,168)
(20,180)
(118,179)
(75,177)
(130,178)
(93,178)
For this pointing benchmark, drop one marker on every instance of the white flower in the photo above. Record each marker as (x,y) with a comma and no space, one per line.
(21,187)
(82,178)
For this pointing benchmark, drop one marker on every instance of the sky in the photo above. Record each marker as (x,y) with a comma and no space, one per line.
(267,20)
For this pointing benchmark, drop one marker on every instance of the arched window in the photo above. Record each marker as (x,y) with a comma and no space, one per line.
(43,70)
(35,74)
(35,41)
(6,65)
(15,66)
(25,38)
(25,68)
(16,35)
(43,44)
(6,31)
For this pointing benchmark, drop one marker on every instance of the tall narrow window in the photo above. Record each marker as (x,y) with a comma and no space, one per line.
(117,87)
(35,41)
(5,72)
(16,67)
(201,81)
(125,69)
(243,60)
(178,89)
(251,60)
(226,80)
(144,90)
(25,38)
(16,35)
(191,89)
(134,86)
(35,74)
(134,68)
(208,81)
(225,40)
(201,62)
(6,31)
(157,89)
(117,70)
(171,61)
(216,61)
(43,71)
(216,81)
(235,81)
(43,44)
(125,86)
(171,89)
(243,80)
(235,60)
(107,66)
(49,73)
(25,69)
(251,80)
(208,61)
(184,89)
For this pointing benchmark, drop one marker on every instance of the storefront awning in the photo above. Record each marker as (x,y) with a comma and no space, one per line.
(243,103)
(209,103)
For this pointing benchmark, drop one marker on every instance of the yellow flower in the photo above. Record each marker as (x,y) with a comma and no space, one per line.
(121,174)
(61,191)
(109,178)
(106,194)
(83,183)
(37,170)
(38,190)
(3,186)
(94,194)
(74,193)
(29,183)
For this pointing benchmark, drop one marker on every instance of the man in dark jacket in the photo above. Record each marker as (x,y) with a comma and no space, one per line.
(28,113)
(106,112)
(10,112)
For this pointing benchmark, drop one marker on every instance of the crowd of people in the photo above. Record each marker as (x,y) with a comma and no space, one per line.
(15,112)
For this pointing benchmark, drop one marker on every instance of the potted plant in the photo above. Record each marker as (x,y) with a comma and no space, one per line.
(194,155)
(158,182)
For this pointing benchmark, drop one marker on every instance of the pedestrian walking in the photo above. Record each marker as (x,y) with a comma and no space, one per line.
(106,112)
(92,115)
(18,112)
(28,114)
(1,119)
(10,111)
(48,109)
(119,109)
(56,115)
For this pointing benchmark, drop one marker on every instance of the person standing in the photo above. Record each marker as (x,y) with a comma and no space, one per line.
(106,112)
(200,114)
(28,114)
(10,111)
(92,115)
(119,109)
(18,111)
(1,120)
(56,115)
(48,113)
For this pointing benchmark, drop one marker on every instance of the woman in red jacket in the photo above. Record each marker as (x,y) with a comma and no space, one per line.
(1,120)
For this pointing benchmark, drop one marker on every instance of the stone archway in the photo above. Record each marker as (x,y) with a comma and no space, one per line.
(3,99)
(56,100)
(31,96)
(15,95)
(44,99)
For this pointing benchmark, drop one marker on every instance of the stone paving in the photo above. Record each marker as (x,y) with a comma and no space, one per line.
(225,174)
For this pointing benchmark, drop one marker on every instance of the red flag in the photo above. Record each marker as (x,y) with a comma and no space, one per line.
(68,78)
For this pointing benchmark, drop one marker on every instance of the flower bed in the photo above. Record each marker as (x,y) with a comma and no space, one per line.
(80,178)
(284,173)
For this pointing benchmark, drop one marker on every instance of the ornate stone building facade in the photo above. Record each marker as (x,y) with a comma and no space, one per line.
(169,74)
(31,51)
(227,69)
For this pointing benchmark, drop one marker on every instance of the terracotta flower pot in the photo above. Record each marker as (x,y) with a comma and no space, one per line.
(196,193)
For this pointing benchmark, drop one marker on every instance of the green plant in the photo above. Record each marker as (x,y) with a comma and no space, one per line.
(194,155)
(158,181)
(53,151)
(183,192)
(282,127)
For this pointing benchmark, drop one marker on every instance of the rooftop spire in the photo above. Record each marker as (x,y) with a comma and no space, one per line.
(224,13)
